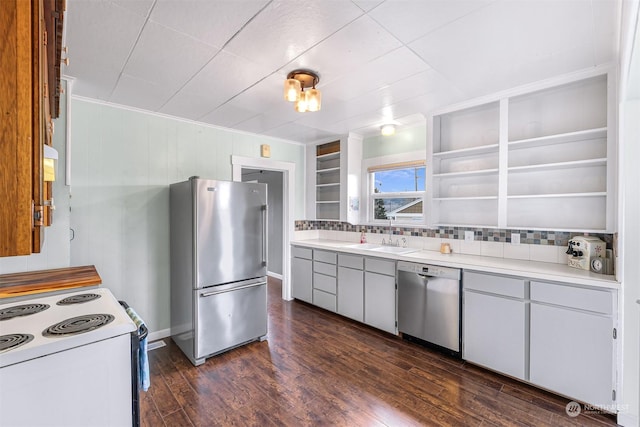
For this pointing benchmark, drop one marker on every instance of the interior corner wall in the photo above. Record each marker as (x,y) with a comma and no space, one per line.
(122,162)
(405,140)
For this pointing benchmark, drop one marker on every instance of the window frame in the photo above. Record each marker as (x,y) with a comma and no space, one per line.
(389,163)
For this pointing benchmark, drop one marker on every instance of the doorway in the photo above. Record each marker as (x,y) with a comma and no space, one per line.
(288,170)
(275,219)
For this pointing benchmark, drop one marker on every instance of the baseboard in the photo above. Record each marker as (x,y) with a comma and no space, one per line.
(158,335)
(628,420)
(274,275)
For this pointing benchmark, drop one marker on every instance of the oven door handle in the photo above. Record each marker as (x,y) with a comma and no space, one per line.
(208,294)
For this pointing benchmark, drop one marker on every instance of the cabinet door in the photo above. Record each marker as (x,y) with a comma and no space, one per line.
(380,301)
(351,293)
(493,333)
(302,279)
(572,353)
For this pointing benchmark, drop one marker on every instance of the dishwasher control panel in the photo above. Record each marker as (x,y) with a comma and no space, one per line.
(429,270)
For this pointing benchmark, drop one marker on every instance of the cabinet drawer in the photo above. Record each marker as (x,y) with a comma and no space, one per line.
(507,286)
(324,300)
(351,261)
(321,267)
(599,301)
(381,266)
(324,256)
(299,252)
(324,283)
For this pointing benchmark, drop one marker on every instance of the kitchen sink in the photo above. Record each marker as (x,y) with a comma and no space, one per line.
(395,249)
(363,246)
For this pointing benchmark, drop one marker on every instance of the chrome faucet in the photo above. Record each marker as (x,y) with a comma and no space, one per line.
(391,235)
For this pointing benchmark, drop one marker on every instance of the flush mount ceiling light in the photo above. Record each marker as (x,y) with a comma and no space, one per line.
(388,129)
(294,90)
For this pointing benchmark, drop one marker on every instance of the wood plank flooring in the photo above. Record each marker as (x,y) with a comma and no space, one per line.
(317,368)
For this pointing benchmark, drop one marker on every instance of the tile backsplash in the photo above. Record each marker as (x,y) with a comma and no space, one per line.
(530,237)
(542,246)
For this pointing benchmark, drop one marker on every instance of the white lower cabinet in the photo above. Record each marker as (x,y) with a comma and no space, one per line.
(302,274)
(357,287)
(495,333)
(351,293)
(572,350)
(380,301)
(324,279)
(557,336)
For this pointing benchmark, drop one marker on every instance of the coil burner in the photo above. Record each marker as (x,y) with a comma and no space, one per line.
(11,341)
(22,310)
(78,299)
(78,325)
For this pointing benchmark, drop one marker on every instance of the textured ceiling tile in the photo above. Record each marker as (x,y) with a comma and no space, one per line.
(99,37)
(411,19)
(140,7)
(285,29)
(211,21)
(382,71)
(228,115)
(139,93)
(494,46)
(224,77)
(353,46)
(166,57)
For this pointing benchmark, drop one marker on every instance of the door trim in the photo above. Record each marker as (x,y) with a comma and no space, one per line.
(288,180)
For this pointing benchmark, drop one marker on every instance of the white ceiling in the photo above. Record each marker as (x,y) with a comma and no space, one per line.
(223,62)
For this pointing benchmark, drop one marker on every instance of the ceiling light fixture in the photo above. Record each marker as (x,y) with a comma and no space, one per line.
(294,90)
(387,130)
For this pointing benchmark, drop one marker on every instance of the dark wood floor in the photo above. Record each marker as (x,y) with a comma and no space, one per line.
(317,368)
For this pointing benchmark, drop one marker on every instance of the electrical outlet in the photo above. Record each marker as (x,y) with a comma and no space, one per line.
(468,236)
(515,238)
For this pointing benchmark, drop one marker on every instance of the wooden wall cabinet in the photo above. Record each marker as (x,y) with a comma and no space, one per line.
(29,83)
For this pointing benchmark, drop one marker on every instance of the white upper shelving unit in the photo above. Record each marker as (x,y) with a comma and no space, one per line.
(534,158)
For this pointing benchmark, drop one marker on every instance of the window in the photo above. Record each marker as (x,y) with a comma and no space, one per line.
(397,192)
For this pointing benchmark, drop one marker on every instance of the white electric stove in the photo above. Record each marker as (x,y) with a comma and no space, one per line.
(66,360)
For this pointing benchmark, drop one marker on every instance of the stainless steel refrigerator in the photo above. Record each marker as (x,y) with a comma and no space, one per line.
(218,265)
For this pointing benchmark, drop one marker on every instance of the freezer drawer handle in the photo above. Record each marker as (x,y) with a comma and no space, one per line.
(208,294)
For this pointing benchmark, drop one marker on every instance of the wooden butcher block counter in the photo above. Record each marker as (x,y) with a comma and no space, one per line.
(59,279)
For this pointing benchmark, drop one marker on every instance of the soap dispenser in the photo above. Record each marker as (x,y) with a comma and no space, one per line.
(363,238)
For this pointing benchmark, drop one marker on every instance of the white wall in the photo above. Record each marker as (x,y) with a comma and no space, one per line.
(122,164)
(629,177)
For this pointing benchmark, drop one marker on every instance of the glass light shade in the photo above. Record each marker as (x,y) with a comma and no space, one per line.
(292,90)
(301,104)
(388,130)
(314,99)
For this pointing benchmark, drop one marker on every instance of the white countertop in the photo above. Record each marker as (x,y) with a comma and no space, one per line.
(531,269)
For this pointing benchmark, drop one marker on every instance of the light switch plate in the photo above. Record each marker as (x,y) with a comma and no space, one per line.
(515,238)
(468,236)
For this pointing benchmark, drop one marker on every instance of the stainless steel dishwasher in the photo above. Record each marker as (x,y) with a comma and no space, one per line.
(429,305)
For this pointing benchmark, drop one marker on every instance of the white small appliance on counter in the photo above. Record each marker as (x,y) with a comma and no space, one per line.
(587,253)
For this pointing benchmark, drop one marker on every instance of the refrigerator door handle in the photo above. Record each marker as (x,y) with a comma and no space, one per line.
(265,247)
(208,294)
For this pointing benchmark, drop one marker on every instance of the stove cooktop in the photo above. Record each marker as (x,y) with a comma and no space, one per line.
(47,325)
(21,310)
